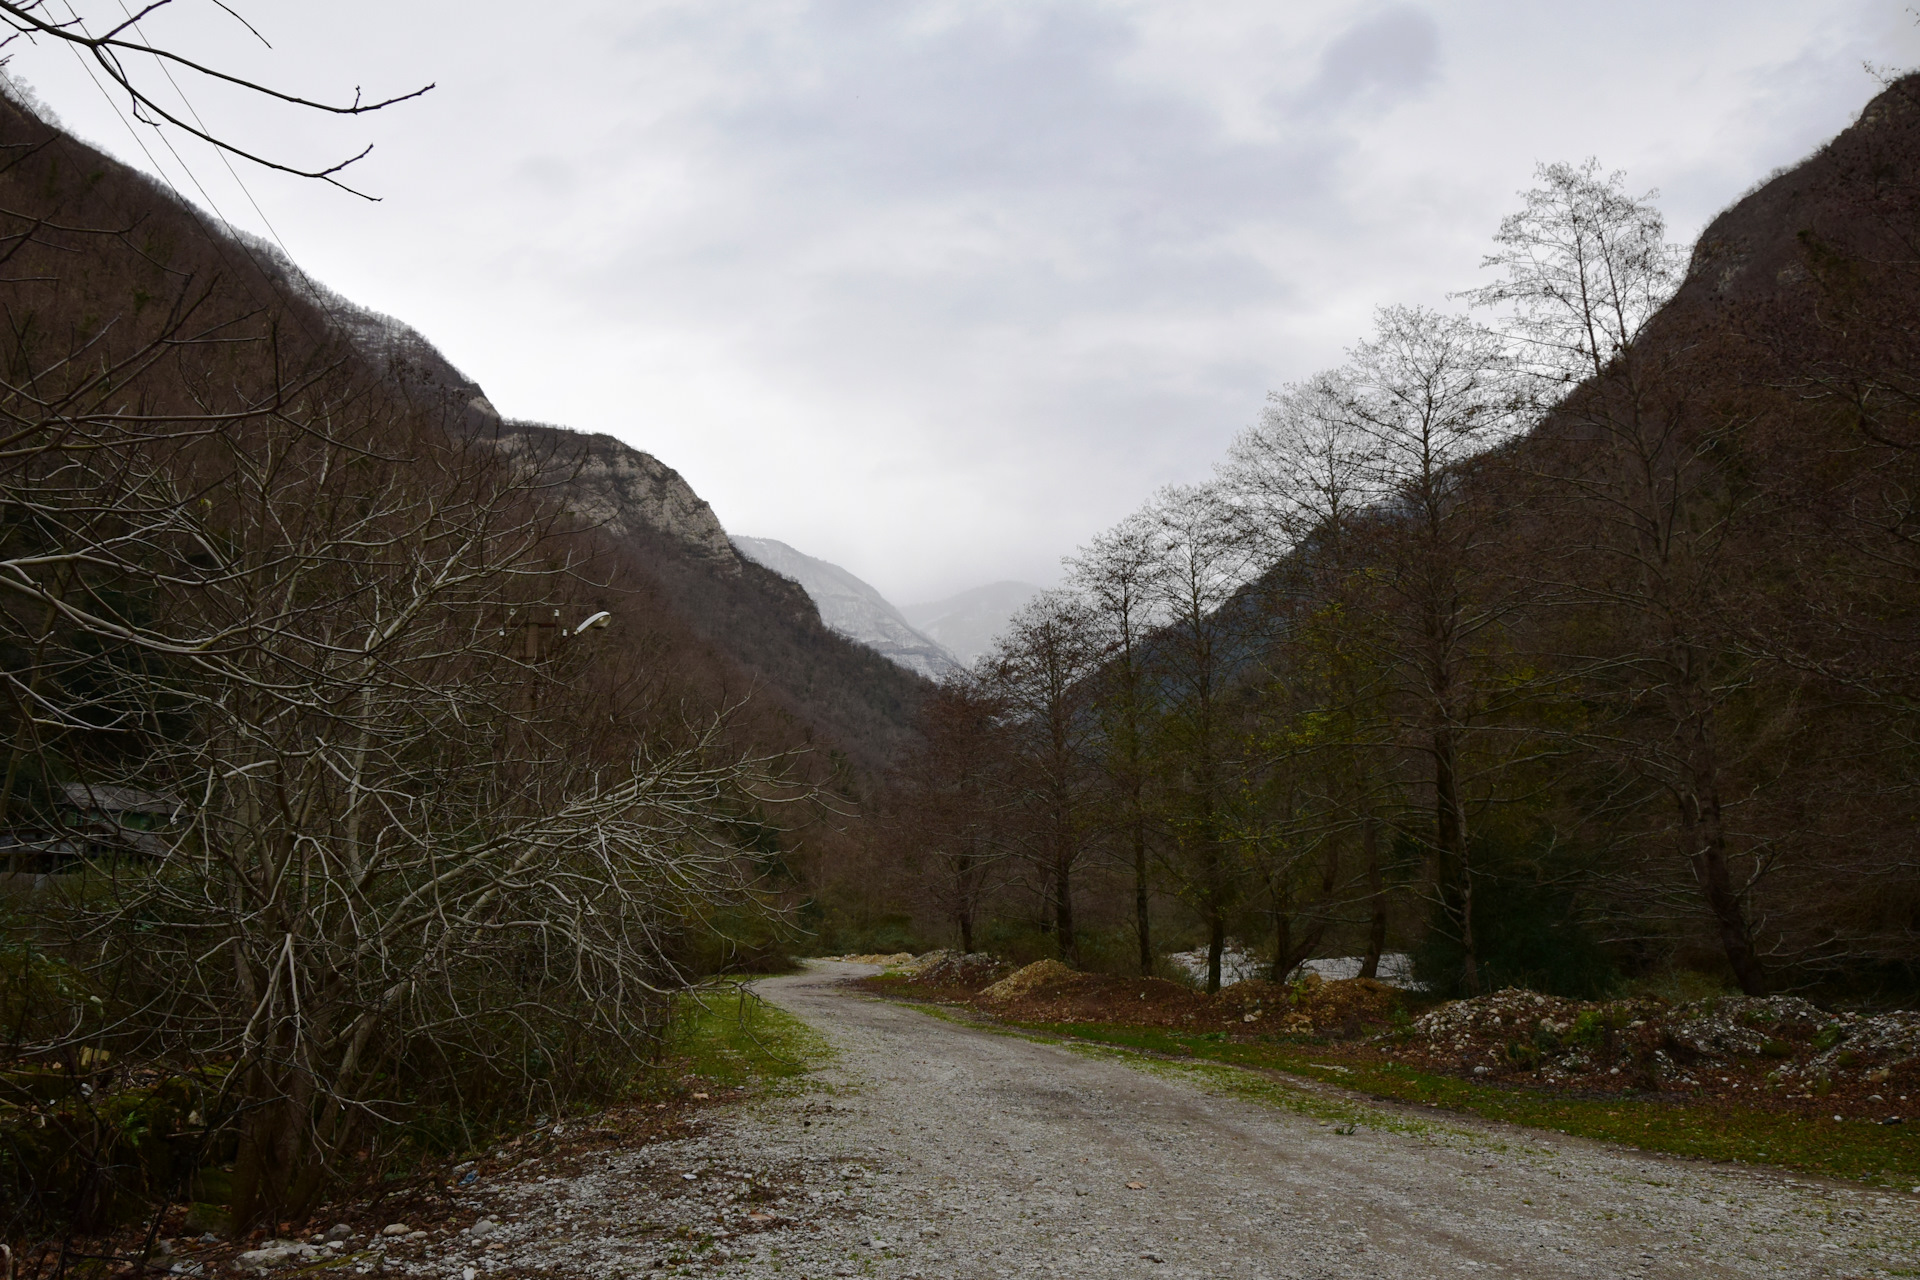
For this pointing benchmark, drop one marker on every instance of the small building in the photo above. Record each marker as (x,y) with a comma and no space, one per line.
(95,804)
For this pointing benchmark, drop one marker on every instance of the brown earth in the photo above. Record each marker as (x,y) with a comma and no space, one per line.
(1349,1008)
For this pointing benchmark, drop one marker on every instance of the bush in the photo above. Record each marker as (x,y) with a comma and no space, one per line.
(835,933)
(1528,932)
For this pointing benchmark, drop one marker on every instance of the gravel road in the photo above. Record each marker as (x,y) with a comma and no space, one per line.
(935,1149)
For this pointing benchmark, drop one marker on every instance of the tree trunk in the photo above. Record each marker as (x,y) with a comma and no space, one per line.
(1216,947)
(276,1171)
(1705,845)
(1063,910)
(1450,835)
(1282,942)
(1702,834)
(1141,923)
(1377,893)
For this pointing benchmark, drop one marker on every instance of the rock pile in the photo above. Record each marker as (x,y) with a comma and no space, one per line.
(1780,1046)
(957,969)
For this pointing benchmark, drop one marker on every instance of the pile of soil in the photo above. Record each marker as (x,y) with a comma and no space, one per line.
(1040,977)
(1345,1006)
(1776,1053)
(969,970)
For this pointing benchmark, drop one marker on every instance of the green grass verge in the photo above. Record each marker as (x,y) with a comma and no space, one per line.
(1885,1155)
(1343,1113)
(734,1039)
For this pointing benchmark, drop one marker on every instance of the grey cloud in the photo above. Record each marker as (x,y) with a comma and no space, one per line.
(937,288)
(547,174)
(1061,186)
(1382,60)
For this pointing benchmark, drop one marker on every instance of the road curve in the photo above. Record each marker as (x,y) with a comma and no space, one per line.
(1019,1155)
(932,1150)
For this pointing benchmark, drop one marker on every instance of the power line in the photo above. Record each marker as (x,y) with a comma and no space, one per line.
(233,236)
(167,71)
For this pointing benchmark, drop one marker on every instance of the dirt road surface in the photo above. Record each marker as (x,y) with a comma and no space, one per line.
(936,1149)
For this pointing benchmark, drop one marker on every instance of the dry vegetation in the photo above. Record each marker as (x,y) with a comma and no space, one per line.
(355,796)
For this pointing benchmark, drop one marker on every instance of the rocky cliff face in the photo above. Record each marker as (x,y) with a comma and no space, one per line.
(853,608)
(620,489)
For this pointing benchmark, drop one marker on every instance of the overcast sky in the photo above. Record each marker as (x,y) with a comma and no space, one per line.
(937,291)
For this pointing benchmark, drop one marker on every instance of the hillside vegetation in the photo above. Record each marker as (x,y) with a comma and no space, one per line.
(1566,640)
(366,782)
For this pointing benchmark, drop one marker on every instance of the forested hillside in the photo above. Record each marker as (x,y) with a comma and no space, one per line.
(1566,640)
(368,761)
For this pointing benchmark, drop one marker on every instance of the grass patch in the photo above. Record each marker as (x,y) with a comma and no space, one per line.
(732,1038)
(1343,1114)
(1887,1155)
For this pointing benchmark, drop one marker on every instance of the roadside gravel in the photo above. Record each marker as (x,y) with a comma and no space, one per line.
(935,1149)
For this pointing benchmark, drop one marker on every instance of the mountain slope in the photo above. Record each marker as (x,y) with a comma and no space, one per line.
(758,620)
(128,263)
(1709,543)
(852,607)
(966,624)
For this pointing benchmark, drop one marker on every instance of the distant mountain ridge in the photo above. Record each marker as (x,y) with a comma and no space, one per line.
(853,608)
(758,618)
(967,624)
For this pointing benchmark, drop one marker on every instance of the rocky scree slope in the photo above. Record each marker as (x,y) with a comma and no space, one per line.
(853,608)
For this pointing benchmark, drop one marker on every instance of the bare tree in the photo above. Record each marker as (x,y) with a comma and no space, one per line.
(1116,576)
(1041,668)
(1429,393)
(1585,267)
(952,797)
(1305,479)
(1204,557)
(359,679)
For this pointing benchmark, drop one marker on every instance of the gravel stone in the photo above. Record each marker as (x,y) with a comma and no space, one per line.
(933,1149)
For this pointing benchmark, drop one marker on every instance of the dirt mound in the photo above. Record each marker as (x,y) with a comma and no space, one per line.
(1092,997)
(959,969)
(1345,1005)
(1256,1008)
(1038,976)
